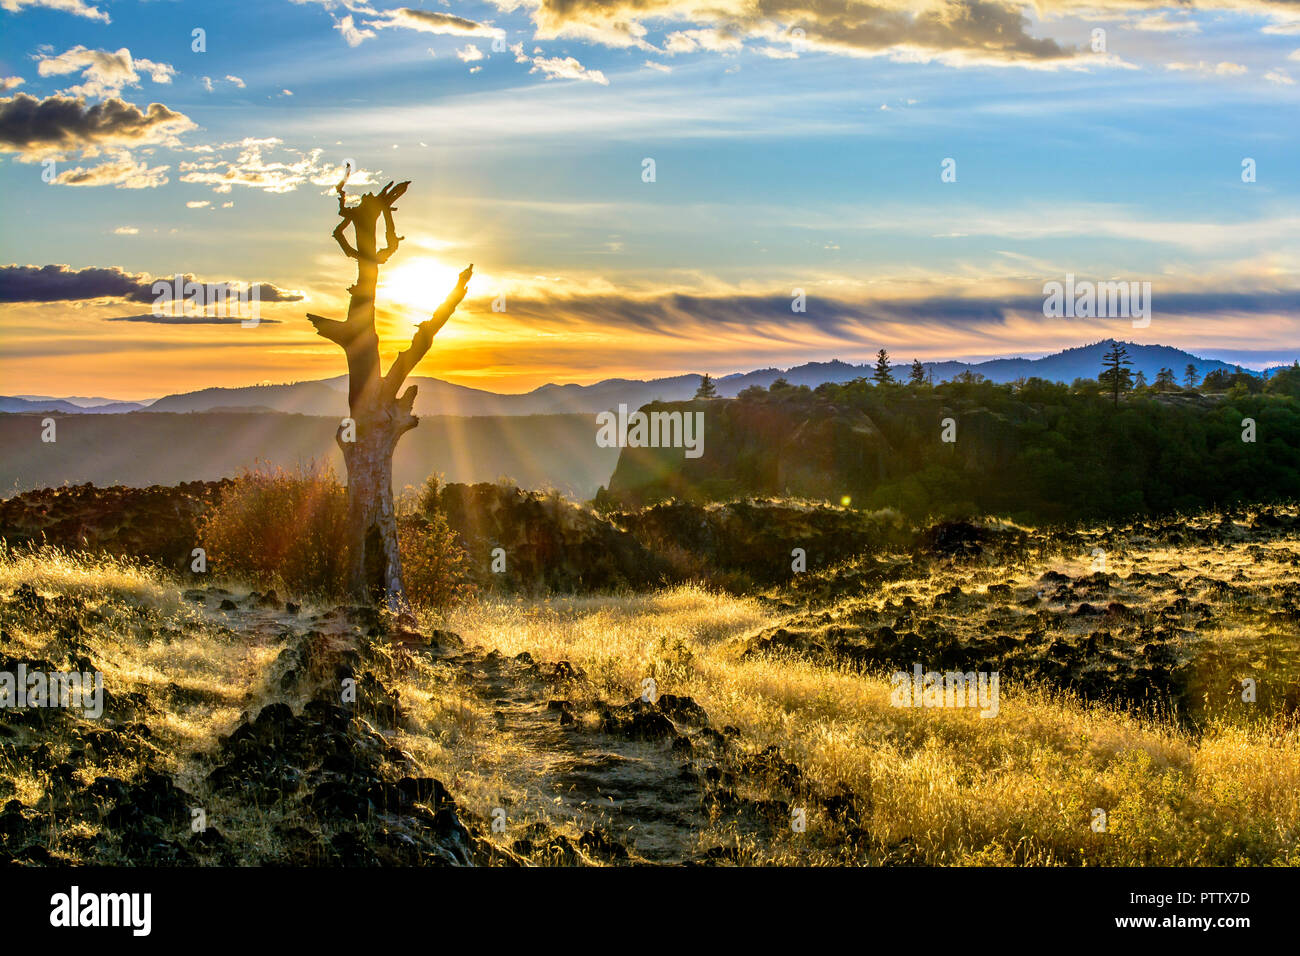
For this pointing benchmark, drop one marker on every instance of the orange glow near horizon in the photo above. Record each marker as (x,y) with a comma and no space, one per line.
(57,350)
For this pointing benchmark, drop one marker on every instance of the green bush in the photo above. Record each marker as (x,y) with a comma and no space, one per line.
(435,568)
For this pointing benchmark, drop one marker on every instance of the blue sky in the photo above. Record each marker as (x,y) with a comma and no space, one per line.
(783,161)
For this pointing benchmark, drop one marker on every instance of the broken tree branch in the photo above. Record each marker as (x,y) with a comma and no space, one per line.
(331,329)
(342,240)
(391,238)
(423,338)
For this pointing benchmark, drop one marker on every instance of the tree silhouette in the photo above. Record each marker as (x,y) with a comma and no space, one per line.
(707,389)
(1165,380)
(379,415)
(882,374)
(1190,376)
(917,374)
(1115,374)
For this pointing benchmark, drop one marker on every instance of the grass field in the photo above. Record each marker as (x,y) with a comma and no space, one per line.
(773,729)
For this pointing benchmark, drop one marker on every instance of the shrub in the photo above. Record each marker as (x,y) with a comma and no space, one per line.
(435,568)
(278,527)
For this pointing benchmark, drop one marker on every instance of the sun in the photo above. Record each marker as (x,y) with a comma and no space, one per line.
(419,285)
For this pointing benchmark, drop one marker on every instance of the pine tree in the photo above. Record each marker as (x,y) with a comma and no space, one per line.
(882,374)
(1164,380)
(707,389)
(1190,376)
(917,375)
(1115,374)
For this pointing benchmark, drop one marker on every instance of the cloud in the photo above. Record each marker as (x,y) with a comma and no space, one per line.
(470,53)
(210,84)
(252,168)
(36,129)
(953,31)
(197,203)
(1224,68)
(428,21)
(1281,77)
(1287,26)
(187,319)
(738,313)
(1160,23)
(8,83)
(126,231)
(60,283)
(352,34)
(75,7)
(102,73)
(122,172)
(715,41)
(661,67)
(566,69)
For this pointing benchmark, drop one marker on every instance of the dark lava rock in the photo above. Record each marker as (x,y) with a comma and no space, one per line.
(599,844)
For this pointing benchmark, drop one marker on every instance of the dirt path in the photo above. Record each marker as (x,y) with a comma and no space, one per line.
(634,794)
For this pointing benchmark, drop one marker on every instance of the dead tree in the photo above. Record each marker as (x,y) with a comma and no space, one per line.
(380,416)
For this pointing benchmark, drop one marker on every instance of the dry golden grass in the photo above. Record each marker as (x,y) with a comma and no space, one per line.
(144,639)
(960,789)
(935,786)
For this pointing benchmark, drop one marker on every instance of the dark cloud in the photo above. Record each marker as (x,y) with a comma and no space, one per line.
(34,128)
(673,313)
(187,319)
(989,30)
(59,283)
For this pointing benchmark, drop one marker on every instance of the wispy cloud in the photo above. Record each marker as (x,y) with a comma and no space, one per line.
(103,73)
(76,7)
(252,168)
(429,21)
(566,68)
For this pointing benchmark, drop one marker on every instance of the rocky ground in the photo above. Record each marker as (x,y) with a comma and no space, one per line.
(154,524)
(1167,614)
(313,772)
(241,728)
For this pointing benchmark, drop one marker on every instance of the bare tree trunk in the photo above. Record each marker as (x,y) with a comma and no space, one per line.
(380,417)
(374,560)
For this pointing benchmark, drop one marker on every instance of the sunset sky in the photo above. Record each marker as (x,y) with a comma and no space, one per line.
(797,144)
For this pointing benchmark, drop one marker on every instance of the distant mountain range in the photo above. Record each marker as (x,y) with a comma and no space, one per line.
(89,406)
(436,397)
